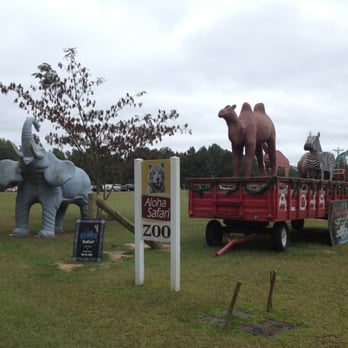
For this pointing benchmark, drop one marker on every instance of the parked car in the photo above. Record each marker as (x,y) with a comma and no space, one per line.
(117,187)
(107,187)
(112,187)
(127,187)
(11,189)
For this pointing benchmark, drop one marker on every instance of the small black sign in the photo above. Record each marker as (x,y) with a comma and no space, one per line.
(88,243)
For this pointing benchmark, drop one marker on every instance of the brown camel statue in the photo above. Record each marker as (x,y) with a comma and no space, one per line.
(302,166)
(250,130)
(281,159)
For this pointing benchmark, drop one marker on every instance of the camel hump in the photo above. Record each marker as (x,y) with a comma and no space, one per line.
(246,107)
(260,107)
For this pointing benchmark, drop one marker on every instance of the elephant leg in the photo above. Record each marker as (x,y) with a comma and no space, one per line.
(50,199)
(84,210)
(49,212)
(62,210)
(48,223)
(21,216)
(259,157)
(60,217)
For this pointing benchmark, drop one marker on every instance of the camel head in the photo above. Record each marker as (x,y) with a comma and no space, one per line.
(229,113)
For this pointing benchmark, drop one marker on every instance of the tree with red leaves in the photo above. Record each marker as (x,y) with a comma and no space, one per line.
(66,100)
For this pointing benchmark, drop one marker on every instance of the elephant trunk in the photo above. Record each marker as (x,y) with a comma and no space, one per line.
(28,139)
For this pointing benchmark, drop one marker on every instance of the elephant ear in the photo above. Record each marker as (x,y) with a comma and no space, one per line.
(59,172)
(9,172)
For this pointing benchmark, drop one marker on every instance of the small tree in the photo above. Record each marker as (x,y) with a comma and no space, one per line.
(6,150)
(66,100)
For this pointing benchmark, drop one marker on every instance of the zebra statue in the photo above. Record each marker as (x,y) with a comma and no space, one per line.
(316,163)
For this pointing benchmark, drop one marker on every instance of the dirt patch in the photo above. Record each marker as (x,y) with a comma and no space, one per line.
(68,267)
(330,252)
(165,246)
(266,327)
(116,255)
(132,246)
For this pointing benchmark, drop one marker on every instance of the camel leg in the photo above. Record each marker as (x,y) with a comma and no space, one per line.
(272,158)
(249,156)
(259,157)
(237,155)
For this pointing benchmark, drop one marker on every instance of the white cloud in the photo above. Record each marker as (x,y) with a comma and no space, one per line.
(196,57)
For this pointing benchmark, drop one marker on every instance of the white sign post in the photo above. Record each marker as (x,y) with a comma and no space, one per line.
(157,212)
(175,224)
(138,240)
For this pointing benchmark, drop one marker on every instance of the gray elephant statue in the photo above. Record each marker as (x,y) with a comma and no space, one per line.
(43,178)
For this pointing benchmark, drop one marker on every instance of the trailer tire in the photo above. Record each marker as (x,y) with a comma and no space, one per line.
(280,236)
(297,224)
(213,233)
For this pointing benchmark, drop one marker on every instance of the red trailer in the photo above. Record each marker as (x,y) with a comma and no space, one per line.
(248,206)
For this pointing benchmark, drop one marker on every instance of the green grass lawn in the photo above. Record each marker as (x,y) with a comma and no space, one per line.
(44,302)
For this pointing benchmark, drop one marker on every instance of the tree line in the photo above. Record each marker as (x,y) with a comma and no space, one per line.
(211,161)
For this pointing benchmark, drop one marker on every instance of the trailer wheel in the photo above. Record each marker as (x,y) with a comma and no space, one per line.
(297,224)
(280,236)
(213,233)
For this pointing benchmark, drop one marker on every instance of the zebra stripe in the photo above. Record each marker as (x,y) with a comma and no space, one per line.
(323,161)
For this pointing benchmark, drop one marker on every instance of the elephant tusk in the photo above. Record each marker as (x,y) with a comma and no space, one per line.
(36,154)
(16,150)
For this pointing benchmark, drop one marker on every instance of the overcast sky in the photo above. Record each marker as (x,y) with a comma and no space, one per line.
(194,56)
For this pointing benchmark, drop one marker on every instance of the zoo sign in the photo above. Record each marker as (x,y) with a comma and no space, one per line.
(155,200)
(157,210)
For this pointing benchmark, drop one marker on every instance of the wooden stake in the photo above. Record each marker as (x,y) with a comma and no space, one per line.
(233,302)
(92,205)
(272,281)
(123,221)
